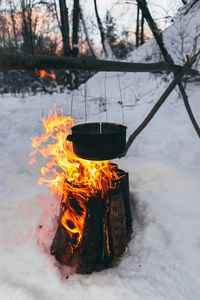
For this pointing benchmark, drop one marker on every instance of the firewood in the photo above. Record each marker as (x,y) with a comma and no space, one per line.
(60,247)
(107,230)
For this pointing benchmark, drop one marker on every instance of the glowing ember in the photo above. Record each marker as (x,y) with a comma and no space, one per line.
(43,74)
(80,178)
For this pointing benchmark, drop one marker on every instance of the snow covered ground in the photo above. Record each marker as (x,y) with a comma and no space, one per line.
(162,260)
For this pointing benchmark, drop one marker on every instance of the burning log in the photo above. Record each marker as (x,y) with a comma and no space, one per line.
(60,246)
(91,251)
(107,230)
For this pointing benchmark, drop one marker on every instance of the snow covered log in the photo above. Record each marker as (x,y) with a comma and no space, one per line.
(31,62)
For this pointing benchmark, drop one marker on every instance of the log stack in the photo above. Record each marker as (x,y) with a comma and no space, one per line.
(107,230)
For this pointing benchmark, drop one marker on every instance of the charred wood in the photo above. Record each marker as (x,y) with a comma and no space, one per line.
(107,230)
(92,244)
(60,246)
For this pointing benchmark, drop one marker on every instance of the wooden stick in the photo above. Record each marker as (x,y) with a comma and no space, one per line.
(188,108)
(187,105)
(31,62)
(158,104)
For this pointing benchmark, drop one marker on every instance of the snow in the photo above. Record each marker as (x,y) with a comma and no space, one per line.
(181,39)
(162,260)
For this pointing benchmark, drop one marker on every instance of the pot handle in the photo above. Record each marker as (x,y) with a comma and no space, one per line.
(70,137)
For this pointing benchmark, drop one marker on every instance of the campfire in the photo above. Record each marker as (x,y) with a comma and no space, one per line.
(94,224)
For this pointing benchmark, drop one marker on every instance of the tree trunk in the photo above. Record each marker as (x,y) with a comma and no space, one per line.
(65,27)
(156,32)
(75,37)
(106,47)
(94,53)
(142,30)
(32,38)
(26,28)
(13,23)
(137,27)
(56,13)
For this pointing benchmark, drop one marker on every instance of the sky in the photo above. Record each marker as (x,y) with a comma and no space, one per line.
(158,8)
(125,14)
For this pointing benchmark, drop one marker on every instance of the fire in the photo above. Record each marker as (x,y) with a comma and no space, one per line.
(68,175)
(43,74)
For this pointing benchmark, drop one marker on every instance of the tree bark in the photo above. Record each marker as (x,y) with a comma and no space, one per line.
(27,34)
(137,26)
(156,32)
(75,37)
(13,23)
(29,17)
(142,31)
(64,27)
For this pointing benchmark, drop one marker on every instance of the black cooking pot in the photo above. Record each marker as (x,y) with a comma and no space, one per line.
(98,141)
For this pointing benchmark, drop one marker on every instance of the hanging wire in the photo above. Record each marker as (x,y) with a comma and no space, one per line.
(105,97)
(72,100)
(120,92)
(85,96)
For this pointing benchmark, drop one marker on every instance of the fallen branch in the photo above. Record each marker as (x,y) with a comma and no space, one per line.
(30,62)
(158,104)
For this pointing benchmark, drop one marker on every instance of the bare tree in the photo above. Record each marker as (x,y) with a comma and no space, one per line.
(75,29)
(156,32)
(3,31)
(12,10)
(64,27)
(142,31)
(106,47)
(27,34)
(93,51)
(137,26)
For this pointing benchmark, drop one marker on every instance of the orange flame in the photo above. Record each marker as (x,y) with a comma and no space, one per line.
(43,74)
(80,178)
